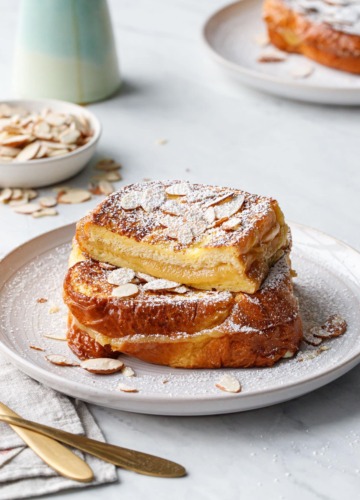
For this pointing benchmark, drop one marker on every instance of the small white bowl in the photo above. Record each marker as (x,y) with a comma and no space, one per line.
(45,171)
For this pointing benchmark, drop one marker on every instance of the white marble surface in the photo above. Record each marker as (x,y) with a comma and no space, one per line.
(307,156)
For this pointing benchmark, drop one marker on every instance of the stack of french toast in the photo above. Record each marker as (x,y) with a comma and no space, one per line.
(184,275)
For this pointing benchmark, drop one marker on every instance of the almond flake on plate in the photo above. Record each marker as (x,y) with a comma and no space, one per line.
(28,208)
(126,388)
(311,338)
(127,371)
(54,337)
(271,56)
(333,327)
(303,70)
(5,195)
(228,383)
(102,366)
(36,348)
(121,276)
(161,142)
(45,212)
(74,196)
(127,290)
(59,360)
(160,284)
(112,176)
(180,189)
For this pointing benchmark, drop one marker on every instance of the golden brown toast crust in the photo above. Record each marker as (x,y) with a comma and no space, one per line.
(294,32)
(177,237)
(198,330)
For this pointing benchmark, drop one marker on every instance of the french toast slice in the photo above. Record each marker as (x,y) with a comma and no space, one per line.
(207,237)
(191,329)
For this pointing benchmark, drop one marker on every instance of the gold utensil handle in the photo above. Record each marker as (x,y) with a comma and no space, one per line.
(122,457)
(54,454)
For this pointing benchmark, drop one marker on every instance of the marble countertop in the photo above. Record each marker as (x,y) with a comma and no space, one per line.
(218,132)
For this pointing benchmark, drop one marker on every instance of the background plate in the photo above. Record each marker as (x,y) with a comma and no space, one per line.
(230,36)
(328,282)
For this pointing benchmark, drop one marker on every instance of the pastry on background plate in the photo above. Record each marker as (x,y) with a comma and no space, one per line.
(326,31)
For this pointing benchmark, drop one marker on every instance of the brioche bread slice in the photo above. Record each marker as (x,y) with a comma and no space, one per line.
(202,236)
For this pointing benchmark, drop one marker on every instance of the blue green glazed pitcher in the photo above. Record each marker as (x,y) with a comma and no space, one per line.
(65,50)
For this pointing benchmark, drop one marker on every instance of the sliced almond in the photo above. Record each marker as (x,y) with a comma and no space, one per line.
(218,199)
(228,383)
(120,276)
(179,189)
(107,164)
(20,201)
(30,193)
(152,198)
(8,151)
(59,360)
(28,208)
(57,152)
(229,208)
(29,152)
(311,338)
(74,196)
(127,290)
(48,201)
(102,366)
(144,277)
(181,289)
(231,224)
(106,187)
(126,388)
(5,195)
(16,140)
(131,200)
(127,371)
(41,300)
(45,212)
(113,176)
(42,130)
(172,207)
(69,136)
(272,56)
(17,194)
(106,266)
(160,284)
(333,327)
(55,119)
(36,348)
(303,70)
(54,337)
(209,215)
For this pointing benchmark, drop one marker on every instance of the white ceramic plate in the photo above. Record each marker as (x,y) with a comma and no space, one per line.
(46,171)
(328,282)
(230,36)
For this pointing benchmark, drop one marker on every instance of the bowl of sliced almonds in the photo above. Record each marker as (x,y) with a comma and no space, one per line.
(44,141)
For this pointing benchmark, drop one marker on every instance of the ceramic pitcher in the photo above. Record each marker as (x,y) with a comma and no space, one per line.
(65,50)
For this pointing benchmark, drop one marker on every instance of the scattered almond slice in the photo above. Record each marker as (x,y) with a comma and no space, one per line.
(160,284)
(271,55)
(55,119)
(310,338)
(20,201)
(209,215)
(127,371)
(48,201)
(231,224)
(179,189)
(5,195)
(54,337)
(106,266)
(16,140)
(181,289)
(59,360)
(29,152)
(54,309)
(303,70)
(121,276)
(106,187)
(16,194)
(113,176)
(41,300)
(102,366)
(161,142)
(127,290)
(74,196)
(36,348)
(333,327)
(45,212)
(28,208)
(107,164)
(228,383)
(126,388)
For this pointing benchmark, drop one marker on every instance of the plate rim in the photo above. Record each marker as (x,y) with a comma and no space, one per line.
(259,76)
(39,373)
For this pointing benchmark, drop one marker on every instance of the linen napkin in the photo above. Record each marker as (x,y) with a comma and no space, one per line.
(22,473)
